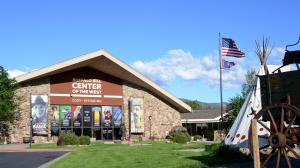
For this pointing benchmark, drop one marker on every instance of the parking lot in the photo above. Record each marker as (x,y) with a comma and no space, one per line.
(27,159)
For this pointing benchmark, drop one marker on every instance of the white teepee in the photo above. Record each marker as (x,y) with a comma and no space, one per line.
(238,134)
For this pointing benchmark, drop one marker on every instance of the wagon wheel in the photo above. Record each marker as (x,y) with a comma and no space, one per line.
(280,137)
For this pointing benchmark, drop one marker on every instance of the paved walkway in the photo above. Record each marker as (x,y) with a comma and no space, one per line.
(14,146)
(192,150)
(25,148)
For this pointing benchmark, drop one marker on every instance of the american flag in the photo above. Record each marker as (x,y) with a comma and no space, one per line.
(230,49)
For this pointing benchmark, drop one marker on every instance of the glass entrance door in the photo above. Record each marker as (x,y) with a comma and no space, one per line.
(97,133)
(107,134)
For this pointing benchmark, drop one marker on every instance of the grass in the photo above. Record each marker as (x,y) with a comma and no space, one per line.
(156,155)
(54,146)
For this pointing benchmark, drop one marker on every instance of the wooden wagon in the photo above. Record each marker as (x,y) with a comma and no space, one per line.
(280,95)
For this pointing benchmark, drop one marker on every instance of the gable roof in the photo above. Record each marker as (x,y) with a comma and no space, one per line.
(105,62)
(202,116)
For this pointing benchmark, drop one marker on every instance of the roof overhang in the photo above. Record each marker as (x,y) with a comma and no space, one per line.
(204,120)
(199,121)
(105,62)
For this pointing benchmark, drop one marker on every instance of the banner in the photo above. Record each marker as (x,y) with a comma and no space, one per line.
(137,115)
(39,113)
(77,116)
(55,120)
(106,116)
(87,116)
(65,115)
(117,116)
(96,113)
(85,86)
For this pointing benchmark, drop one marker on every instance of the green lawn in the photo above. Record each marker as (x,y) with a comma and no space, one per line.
(156,155)
(53,146)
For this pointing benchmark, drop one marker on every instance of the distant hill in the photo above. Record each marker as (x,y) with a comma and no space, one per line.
(212,105)
(198,105)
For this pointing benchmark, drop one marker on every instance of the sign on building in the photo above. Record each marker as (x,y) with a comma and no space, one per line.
(137,115)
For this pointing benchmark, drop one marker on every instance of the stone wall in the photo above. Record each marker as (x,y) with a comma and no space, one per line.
(219,135)
(21,128)
(164,116)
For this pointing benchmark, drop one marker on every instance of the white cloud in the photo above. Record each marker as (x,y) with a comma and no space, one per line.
(272,68)
(276,56)
(182,64)
(15,72)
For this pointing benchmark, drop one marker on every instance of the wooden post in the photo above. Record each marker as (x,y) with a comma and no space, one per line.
(255,145)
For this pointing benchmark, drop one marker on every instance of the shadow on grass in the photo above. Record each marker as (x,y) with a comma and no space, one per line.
(213,161)
(218,154)
(283,163)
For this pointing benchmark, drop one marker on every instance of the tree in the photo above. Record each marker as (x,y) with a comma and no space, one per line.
(233,107)
(195,104)
(250,79)
(8,101)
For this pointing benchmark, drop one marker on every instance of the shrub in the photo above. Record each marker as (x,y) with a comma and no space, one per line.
(197,137)
(210,135)
(180,137)
(84,140)
(69,139)
(179,134)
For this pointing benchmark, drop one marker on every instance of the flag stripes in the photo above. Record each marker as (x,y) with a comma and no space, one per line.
(230,49)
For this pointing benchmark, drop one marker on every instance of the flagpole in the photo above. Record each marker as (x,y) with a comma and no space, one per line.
(221,96)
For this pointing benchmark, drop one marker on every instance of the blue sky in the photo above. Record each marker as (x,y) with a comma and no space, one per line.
(175,43)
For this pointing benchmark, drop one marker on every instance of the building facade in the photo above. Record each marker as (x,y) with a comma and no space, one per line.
(95,95)
(206,122)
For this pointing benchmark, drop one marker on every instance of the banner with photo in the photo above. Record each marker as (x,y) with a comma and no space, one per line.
(77,116)
(96,113)
(39,113)
(117,115)
(106,116)
(87,116)
(65,115)
(137,115)
(55,120)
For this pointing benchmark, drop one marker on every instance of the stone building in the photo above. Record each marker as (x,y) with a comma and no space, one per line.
(95,95)
(205,122)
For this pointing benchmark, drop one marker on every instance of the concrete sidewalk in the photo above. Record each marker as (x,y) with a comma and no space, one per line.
(13,147)
(25,148)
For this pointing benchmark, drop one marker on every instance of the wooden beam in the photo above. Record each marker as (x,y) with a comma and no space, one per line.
(255,145)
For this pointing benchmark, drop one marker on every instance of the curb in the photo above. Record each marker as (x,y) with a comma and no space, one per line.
(46,165)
